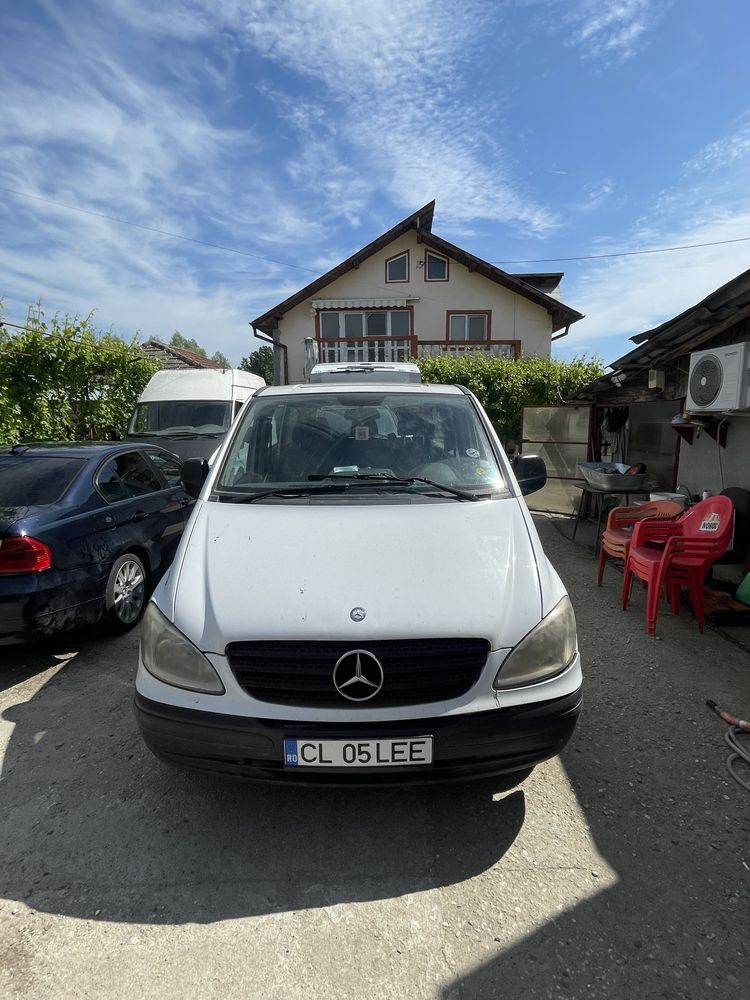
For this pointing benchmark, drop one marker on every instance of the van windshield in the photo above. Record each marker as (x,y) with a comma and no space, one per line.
(181,416)
(294,441)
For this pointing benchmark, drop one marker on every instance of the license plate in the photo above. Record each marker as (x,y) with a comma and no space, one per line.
(357,753)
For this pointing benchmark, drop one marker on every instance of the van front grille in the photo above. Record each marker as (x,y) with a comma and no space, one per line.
(415,671)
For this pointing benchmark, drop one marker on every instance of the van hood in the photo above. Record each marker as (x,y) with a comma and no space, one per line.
(296,571)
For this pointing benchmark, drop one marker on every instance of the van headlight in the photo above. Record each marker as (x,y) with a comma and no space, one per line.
(172,658)
(547,650)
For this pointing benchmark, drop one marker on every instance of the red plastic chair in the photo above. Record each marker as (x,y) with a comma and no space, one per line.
(618,534)
(691,544)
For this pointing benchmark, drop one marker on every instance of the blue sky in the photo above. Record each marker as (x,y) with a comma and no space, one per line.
(297,130)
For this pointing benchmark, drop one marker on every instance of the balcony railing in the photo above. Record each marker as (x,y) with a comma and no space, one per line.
(337,350)
(334,349)
(495,348)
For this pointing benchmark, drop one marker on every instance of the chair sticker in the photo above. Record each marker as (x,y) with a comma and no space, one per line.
(710,523)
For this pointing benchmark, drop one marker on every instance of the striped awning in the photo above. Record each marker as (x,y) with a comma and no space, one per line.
(362,303)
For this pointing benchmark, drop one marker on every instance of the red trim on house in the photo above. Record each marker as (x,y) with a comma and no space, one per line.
(398,281)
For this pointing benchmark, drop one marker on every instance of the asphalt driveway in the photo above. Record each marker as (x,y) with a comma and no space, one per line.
(619,871)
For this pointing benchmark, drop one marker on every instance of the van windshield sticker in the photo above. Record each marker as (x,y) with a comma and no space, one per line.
(362,433)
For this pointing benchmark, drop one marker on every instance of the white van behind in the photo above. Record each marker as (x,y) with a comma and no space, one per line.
(189,411)
(367,371)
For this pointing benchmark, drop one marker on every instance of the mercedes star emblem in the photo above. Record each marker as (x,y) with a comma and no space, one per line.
(358,614)
(358,675)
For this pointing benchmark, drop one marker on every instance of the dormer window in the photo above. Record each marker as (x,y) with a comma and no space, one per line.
(435,267)
(397,268)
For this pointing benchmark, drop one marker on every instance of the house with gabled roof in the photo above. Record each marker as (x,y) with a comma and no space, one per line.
(410,293)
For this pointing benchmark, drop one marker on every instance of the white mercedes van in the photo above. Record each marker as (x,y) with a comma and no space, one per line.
(360,596)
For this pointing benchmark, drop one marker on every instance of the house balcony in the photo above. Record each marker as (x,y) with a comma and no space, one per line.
(333,350)
(492,348)
(336,349)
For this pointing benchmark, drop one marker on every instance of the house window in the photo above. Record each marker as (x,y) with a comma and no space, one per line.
(397,268)
(435,267)
(357,325)
(376,324)
(329,324)
(400,324)
(353,324)
(468,326)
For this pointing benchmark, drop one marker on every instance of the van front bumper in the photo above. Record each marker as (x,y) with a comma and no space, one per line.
(475,745)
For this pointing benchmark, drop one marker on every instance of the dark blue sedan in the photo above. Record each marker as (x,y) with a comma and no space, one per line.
(86,531)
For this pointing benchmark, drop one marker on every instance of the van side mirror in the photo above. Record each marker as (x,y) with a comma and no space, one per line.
(531,473)
(193,475)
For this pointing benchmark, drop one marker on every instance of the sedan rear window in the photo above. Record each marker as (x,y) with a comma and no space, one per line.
(36,480)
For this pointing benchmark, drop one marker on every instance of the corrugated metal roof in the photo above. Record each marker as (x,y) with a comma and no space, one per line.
(681,334)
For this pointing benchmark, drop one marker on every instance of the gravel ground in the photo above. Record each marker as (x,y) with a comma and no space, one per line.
(619,871)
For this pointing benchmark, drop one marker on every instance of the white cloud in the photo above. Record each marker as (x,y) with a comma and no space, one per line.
(595,195)
(613,30)
(98,128)
(723,152)
(394,74)
(632,294)
(625,296)
(131,118)
(139,287)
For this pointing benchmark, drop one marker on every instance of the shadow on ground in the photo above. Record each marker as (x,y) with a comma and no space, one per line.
(23,662)
(94,827)
(647,767)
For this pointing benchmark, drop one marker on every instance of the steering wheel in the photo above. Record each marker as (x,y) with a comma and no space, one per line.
(326,461)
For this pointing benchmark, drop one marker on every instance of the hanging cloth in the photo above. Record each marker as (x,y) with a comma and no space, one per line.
(615,430)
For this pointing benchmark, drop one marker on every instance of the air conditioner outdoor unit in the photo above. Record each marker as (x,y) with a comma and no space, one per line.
(719,380)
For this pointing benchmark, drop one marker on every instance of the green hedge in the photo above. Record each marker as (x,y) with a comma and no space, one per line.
(62,380)
(505,385)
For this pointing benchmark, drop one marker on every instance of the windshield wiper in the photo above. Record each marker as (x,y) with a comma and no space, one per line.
(189,434)
(379,479)
(288,491)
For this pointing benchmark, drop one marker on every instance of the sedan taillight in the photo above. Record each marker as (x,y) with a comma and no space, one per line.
(24,554)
